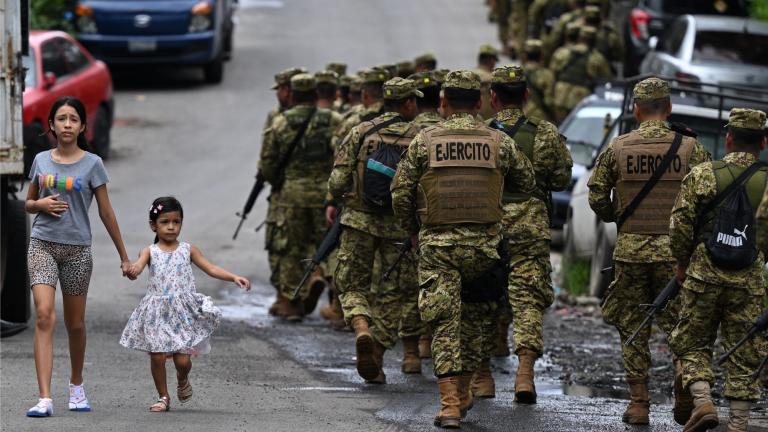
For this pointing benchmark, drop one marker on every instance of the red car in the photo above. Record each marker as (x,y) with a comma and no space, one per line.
(57,65)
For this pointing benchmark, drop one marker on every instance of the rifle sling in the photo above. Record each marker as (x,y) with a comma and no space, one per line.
(292,146)
(655,177)
(376,128)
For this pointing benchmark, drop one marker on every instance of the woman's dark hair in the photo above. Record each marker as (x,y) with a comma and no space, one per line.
(164,205)
(80,108)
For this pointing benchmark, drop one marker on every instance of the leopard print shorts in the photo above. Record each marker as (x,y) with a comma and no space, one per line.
(71,264)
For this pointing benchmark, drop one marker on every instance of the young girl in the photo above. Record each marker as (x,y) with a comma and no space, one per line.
(173,319)
(63,183)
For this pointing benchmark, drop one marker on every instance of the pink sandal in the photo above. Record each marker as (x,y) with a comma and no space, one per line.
(163,404)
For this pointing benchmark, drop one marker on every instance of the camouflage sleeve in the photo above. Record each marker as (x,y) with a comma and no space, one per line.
(520,176)
(551,158)
(406,181)
(699,155)
(601,183)
(271,150)
(548,84)
(340,181)
(536,17)
(559,60)
(697,189)
(762,224)
(268,121)
(598,67)
(617,46)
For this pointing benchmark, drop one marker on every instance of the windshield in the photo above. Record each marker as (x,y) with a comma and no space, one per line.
(30,77)
(727,47)
(585,132)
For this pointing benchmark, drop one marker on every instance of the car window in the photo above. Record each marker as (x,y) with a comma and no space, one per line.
(585,131)
(674,38)
(728,47)
(73,57)
(30,71)
(53,59)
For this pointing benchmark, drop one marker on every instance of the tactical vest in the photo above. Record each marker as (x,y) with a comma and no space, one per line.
(369,143)
(524,138)
(575,71)
(463,182)
(725,174)
(537,94)
(313,152)
(636,160)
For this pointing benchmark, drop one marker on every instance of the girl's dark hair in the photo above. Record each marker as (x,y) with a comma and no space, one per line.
(80,108)
(164,205)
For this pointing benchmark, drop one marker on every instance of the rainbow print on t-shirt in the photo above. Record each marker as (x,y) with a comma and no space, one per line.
(55,181)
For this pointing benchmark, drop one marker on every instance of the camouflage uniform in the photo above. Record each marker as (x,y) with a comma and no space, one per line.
(642,262)
(353,117)
(541,84)
(370,235)
(556,37)
(452,253)
(713,297)
(341,107)
(503,10)
(299,215)
(607,41)
(424,62)
(539,12)
(518,25)
(338,67)
(576,80)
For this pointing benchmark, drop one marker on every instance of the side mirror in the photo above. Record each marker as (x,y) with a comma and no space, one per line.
(49,80)
(653,42)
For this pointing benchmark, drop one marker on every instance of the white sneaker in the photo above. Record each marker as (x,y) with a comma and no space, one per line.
(44,408)
(77,399)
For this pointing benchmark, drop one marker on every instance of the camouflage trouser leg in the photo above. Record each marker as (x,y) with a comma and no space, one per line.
(274,242)
(733,309)
(479,325)
(303,232)
(410,320)
(530,294)
(353,278)
(454,341)
(490,336)
(503,11)
(633,285)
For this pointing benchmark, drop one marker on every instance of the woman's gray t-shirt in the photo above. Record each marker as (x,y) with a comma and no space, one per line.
(76,183)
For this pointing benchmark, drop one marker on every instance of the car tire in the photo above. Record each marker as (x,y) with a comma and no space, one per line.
(602,257)
(35,141)
(15,295)
(101,133)
(214,71)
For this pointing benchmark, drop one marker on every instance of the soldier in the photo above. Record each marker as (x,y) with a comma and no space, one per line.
(556,37)
(327,84)
(296,158)
(712,295)
(371,230)
(542,15)
(457,239)
(371,98)
(642,258)
(405,68)
(343,99)
(607,41)
(425,62)
(526,228)
(540,82)
(577,70)
(502,9)
(518,27)
(486,62)
(282,89)
(338,67)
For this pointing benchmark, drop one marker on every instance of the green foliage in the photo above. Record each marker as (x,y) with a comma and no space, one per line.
(759,9)
(576,276)
(49,15)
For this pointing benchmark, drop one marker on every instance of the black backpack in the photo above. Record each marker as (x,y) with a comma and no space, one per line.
(732,243)
(379,171)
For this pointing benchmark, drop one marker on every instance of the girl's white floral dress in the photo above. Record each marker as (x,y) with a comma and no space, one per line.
(172,317)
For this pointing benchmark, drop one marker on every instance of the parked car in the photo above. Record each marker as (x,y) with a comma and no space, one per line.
(652,17)
(57,65)
(178,32)
(723,50)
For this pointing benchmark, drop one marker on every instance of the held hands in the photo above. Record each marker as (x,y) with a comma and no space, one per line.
(242,282)
(52,205)
(129,270)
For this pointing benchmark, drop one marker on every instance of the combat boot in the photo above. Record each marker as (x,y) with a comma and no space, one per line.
(738,420)
(482,384)
(425,346)
(378,357)
(525,390)
(449,416)
(411,361)
(332,311)
(704,415)
(293,311)
(317,284)
(640,402)
(502,342)
(466,399)
(366,364)
(683,399)
(278,307)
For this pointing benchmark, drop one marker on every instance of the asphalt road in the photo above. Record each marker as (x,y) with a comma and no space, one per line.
(174,135)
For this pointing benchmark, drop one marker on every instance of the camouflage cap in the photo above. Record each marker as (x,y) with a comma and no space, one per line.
(424,58)
(338,67)
(588,32)
(508,75)
(284,77)
(441,74)
(374,75)
(405,66)
(592,12)
(488,49)
(400,88)
(462,79)
(533,45)
(327,77)
(650,89)
(390,68)
(345,81)
(355,83)
(746,118)
(303,82)
(425,79)
(572,29)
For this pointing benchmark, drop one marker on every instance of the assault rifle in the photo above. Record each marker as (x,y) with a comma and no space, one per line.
(758,327)
(406,246)
(658,305)
(257,187)
(327,246)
